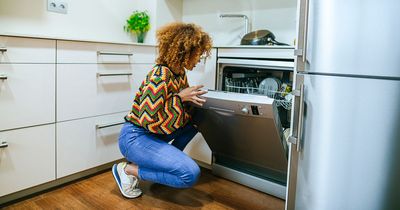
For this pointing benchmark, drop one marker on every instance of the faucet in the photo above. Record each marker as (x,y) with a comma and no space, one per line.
(246,20)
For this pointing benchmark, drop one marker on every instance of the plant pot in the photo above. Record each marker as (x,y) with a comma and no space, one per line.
(140,37)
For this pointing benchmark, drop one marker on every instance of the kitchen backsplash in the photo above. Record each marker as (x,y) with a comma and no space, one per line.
(278,16)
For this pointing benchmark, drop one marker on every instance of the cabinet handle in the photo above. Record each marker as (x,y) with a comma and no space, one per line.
(113,53)
(113,74)
(3,144)
(3,77)
(296,139)
(100,126)
(3,49)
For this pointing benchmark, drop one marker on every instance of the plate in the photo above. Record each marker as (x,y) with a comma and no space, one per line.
(269,86)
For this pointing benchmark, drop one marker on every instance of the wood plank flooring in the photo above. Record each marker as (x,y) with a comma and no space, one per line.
(101,192)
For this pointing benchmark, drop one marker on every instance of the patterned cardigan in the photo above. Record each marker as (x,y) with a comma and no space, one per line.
(156,106)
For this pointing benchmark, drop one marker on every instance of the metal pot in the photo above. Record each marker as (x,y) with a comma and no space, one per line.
(260,37)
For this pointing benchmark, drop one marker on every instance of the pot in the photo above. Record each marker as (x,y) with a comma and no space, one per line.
(260,37)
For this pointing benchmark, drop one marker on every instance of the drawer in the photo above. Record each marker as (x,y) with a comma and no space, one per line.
(27,95)
(267,53)
(140,72)
(87,143)
(86,90)
(27,50)
(29,159)
(87,52)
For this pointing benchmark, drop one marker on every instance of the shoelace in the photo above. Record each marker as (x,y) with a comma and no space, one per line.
(131,189)
(134,179)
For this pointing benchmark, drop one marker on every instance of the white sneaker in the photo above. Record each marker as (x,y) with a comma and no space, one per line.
(128,184)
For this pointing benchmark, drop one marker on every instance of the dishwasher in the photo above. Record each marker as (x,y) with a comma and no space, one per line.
(246,121)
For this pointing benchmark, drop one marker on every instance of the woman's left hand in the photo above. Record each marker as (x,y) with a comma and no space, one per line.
(193,94)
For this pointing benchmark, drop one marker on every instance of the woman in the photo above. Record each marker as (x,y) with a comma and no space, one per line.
(160,114)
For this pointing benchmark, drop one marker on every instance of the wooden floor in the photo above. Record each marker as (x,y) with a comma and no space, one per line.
(101,192)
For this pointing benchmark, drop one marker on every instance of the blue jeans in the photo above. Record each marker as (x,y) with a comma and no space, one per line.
(157,160)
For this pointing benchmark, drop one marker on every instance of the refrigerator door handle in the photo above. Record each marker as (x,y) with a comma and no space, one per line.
(300,52)
(305,29)
(296,139)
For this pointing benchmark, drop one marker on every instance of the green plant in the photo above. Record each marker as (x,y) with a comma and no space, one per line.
(138,23)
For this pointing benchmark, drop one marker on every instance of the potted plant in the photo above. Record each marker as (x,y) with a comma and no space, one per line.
(138,23)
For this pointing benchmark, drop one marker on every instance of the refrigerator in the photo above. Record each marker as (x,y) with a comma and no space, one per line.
(345,134)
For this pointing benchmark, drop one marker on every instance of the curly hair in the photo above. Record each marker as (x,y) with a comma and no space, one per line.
(180,43)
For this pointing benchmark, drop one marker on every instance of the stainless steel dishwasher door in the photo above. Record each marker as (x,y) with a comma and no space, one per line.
(244,133)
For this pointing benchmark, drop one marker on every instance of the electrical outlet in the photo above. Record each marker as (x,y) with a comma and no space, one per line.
(57,6)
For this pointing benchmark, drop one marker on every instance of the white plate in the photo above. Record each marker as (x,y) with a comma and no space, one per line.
(269,86)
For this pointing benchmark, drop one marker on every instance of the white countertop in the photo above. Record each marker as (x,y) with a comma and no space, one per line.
(255,46)
(141,44)
(74,39)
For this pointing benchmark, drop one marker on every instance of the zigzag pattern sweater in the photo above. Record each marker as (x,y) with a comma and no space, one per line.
(156,106)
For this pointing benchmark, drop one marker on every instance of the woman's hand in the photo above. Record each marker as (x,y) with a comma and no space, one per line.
(192,94)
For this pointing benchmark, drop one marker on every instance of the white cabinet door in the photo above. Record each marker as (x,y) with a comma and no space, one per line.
(86,90)
(29,158)
(27,95)
(88,52)
(87,143)
(205,72)
(27,50)
(140,72)
(199,150)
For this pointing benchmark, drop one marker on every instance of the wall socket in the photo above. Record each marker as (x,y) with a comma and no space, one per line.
(57,6)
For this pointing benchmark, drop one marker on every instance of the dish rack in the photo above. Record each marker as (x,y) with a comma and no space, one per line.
(282,95)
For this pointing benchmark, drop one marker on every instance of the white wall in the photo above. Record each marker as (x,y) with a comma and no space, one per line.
(168,11)
(103,20)
(278,16)
(97,20)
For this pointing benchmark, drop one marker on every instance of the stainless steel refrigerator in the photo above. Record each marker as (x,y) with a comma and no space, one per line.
(345,139)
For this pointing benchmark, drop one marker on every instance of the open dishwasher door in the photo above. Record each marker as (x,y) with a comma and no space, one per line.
(245,136)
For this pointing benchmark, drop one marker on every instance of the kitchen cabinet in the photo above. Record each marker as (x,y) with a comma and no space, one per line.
(26,50)
(86,143)
(140,72)
(106,77)
(27,99)
(92,52)
(27,110)
(27,95)
(95,90)
(91,110)
(27,82)
(203,74)
(27,158)
(62,105)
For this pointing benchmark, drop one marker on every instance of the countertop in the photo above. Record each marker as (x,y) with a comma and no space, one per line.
(74,39)
(141,44)
(254,46)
